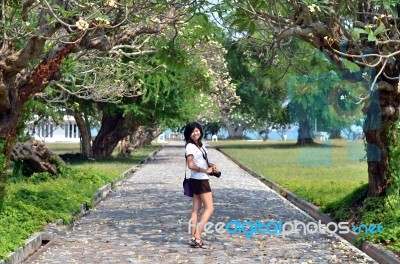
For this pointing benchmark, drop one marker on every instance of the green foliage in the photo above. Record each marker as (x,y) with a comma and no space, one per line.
(342,209)
(172,57)
(324,96)
(243,24)
(375,210)
(2,156)
(171,79)
(261,94)
(388,211)
(383,210)
(393,193)
(40,199)
(323,6)
(388,5)
(21,169)
(169,89)
(33,202)
(199,28)
(371,33)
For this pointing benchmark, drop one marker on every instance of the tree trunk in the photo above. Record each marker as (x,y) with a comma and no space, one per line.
(382,115)
(113,129)
(264,134)
(141,137)
(335,133)
(235,131)
(304,136)
(133,141)
(9,125)
(86,137)
(14,94)
(36,155)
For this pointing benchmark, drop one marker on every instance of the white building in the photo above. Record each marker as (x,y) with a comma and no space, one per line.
(48,131)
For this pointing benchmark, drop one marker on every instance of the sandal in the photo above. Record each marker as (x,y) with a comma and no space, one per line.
(199,243)
(192,242)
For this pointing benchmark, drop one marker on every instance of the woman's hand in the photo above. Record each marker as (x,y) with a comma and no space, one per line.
(194,167)
(209,170)
(214,168)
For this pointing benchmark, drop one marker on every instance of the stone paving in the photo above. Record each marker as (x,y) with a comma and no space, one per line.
(144,220)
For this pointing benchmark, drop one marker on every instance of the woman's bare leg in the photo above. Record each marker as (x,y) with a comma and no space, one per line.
(195,213)
(207,200)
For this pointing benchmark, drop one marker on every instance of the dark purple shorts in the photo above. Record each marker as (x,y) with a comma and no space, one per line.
(200,186)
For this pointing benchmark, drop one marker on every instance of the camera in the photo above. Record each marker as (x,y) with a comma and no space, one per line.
(216,174)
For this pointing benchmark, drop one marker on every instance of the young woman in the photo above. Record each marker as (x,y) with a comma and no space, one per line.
(199,181)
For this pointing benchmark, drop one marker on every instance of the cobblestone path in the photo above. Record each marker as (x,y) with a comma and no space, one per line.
(145,220)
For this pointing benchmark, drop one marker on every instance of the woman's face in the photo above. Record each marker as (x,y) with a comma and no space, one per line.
(195,134)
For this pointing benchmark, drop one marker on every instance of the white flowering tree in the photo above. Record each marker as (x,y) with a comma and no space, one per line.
(222,96)
(37,37)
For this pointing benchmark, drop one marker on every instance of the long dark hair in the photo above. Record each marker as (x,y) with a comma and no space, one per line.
(189,130)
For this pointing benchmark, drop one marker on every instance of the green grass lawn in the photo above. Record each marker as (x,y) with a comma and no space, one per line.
(62,148)
(114,165)
(321,174)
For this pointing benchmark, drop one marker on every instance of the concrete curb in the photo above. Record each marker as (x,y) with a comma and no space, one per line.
(41,240)
(376,252)
(32,244)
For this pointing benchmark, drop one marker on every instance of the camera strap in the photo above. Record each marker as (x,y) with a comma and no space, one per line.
(185,165)
(203,151)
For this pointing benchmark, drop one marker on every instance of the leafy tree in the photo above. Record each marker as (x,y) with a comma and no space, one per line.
(261,95)
(362,32)
(38,36)
(173,60)
(342,109)
(169,96)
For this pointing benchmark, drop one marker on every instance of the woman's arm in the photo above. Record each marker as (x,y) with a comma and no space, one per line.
(194,167)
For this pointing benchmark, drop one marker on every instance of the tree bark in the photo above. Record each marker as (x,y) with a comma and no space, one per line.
(15,94)
(9,125)
(86,137)
(335,133)
(139,138)
(113,129)
(304,136)
(235,132)
(36,155)
(382,116)
(264,133)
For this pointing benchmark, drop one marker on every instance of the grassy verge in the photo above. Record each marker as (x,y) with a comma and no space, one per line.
(33,202)
(321,174)
(332,176)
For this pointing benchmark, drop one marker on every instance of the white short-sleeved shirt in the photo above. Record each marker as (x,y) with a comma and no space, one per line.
(198,160)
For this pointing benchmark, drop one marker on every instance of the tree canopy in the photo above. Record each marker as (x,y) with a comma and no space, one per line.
(88,50)
(364,33)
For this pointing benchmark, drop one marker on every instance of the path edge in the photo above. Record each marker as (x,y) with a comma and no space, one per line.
(39,241)
(375,251)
